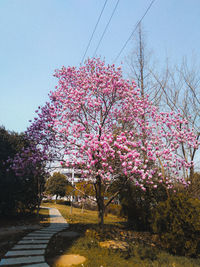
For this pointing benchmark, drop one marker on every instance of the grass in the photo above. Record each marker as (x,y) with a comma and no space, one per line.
(140,256)
(141,249)
(83,217)
(14,228)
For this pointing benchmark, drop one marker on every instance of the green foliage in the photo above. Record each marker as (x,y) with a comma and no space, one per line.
(17,193)
(85,188)
(177,221)
(57,185)
(137,205)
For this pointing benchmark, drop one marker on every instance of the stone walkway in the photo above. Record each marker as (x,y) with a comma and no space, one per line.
(30,250)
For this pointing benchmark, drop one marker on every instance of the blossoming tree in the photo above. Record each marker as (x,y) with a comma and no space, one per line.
(97,121)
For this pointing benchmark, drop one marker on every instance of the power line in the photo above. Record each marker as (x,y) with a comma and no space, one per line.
(134,30)
(106,28)
(94,31)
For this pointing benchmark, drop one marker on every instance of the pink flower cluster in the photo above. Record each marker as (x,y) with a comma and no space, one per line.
(99,121)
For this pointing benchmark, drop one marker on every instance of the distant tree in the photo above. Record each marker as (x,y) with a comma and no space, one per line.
(185,96)
(70,191)
(194,187)
(171,89)
(57,185)
(140,68)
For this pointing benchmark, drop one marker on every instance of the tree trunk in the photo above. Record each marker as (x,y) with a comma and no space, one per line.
(192,159)
(82,208)
(71,207)
(38,205)
(191,172)
(100,200)
(101,210)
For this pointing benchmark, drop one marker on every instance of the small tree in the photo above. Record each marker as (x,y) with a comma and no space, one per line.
(56,185)
(20,187)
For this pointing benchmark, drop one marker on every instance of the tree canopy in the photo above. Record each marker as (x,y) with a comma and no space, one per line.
(98,121)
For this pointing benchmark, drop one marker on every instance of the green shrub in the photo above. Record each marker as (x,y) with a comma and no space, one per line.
(177,221)
(143,252)
(137,205)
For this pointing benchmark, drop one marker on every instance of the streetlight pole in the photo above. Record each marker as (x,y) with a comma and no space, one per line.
(72,191)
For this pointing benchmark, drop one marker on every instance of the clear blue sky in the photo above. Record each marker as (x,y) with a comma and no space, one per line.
(38,36)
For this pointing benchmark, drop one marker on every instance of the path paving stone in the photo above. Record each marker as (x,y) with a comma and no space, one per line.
(32,241)
(52,230)
(41,235)
(35,238)
(46,232)
(25,252)
(35,243)
(22,260)
(43,264)
(30,246)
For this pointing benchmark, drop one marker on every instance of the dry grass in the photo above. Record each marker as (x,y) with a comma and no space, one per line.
(83,216)
(141,249)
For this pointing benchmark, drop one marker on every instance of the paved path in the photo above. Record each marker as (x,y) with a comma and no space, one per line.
(30,250)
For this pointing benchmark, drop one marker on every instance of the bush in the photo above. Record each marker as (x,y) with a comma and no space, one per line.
(137,205)
(177,221)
